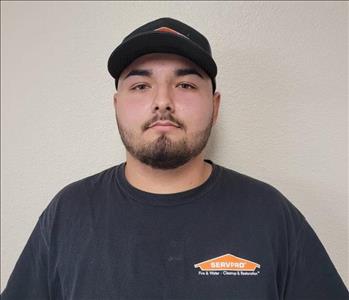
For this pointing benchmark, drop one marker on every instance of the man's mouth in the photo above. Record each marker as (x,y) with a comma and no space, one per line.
(164,124)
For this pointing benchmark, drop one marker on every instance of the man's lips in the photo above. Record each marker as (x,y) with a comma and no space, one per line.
(164,124)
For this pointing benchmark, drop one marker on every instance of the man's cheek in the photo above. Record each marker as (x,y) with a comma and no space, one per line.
(131,114)
(199,120)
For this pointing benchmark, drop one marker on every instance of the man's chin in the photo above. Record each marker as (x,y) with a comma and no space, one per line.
(162,162)
(163,153)
(158,135)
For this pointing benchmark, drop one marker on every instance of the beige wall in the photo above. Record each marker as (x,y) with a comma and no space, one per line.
(283,119)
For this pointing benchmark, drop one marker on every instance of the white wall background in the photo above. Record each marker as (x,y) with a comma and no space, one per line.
(284,83)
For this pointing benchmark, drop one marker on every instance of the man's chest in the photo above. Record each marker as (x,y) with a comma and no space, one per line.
(206,261)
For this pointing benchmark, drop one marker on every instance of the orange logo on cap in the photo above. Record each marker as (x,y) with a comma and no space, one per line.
(227,262)
(167,29)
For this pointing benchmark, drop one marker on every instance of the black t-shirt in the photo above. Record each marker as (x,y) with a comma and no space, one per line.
(233,237)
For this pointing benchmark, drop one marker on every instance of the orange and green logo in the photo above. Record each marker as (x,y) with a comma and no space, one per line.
(227,262)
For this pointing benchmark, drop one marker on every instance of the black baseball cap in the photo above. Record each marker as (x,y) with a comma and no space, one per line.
(165,35)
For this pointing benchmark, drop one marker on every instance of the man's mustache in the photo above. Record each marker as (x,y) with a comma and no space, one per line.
(167,117)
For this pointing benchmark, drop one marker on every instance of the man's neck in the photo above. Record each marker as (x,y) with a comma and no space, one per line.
(186,177)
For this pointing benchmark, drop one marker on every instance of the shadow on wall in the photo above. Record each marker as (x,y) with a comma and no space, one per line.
(255,95)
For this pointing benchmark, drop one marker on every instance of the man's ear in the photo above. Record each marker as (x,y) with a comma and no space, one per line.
(216,103)
(115,99)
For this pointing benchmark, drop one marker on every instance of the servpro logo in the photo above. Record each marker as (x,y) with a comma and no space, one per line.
(227,264)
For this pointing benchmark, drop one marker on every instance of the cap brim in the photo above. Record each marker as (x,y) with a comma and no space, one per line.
(159,42)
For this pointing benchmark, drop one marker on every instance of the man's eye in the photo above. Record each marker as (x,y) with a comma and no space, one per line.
(185,85)
(140,87)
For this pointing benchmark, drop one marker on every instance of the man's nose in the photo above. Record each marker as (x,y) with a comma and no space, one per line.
(163,102)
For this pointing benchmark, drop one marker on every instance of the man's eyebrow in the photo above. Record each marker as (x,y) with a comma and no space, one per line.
(139,72)
(188,71)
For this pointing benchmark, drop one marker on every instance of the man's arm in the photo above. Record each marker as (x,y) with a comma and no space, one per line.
(312,275)
(29,279)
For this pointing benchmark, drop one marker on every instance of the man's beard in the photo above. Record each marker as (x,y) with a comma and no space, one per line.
(164,153)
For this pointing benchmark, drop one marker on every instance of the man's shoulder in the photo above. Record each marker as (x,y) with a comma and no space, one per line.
(244,183)
(77,193)
(84,184)
(247,191)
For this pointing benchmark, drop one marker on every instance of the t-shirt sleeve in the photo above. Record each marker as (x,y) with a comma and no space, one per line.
(29,279)
(312,275)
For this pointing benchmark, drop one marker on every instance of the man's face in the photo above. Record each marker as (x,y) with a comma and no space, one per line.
(177,94)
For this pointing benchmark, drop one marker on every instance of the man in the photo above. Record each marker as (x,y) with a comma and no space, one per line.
(167,223)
